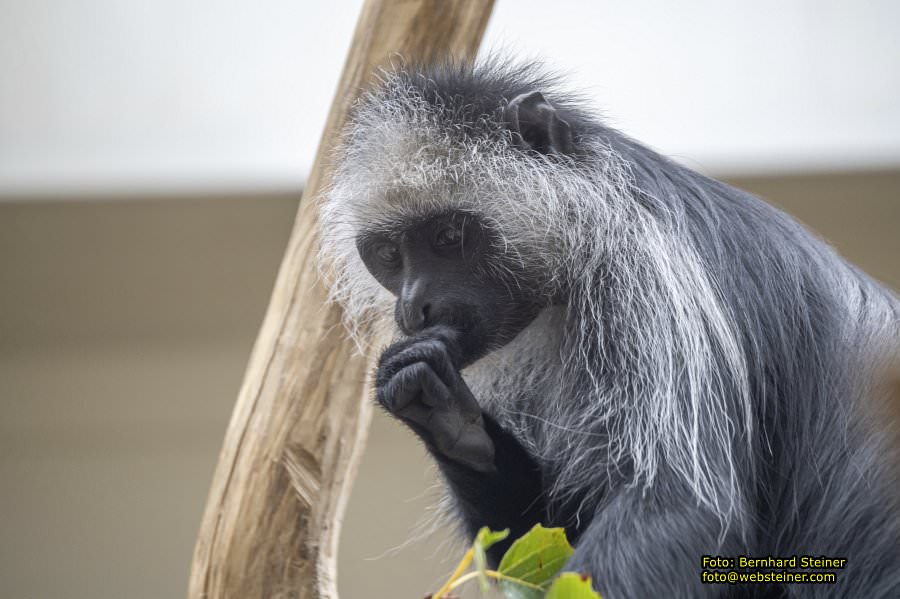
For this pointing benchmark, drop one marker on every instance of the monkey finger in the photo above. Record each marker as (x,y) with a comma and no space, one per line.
(440,426)
(418,417)
(447,335)
(474,448)
(388,362)
(402,389)
(466,402)
(435,393)
(445,427)
(392,350)
(462,442)
(431,351)
(415,383)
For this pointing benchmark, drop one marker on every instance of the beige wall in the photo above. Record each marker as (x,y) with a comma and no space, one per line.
(124,329)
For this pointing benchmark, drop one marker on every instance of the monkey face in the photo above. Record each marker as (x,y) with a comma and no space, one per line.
(444,272)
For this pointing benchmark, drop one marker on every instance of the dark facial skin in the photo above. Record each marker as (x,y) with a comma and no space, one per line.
(452,313)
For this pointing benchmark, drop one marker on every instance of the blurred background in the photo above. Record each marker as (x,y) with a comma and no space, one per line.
(152,155)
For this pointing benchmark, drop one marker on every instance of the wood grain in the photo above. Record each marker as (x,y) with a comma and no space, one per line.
(273,515)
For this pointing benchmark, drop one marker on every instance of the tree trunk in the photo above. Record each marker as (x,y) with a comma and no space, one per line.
(273,515)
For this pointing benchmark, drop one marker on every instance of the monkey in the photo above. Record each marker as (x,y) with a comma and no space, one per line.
(590,335)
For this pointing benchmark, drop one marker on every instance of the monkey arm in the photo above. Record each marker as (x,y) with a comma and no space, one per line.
(509,496)
(494,480)
(650,544)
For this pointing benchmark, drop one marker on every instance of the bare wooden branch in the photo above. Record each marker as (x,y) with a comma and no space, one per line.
(273,515)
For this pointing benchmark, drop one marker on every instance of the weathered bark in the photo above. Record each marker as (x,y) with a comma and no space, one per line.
(273,515)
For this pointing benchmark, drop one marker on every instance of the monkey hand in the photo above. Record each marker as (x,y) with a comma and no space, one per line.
(418,381)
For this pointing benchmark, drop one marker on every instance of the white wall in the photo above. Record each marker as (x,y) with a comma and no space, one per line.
(225,94)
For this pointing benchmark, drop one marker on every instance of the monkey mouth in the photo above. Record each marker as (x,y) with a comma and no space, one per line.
(470,340)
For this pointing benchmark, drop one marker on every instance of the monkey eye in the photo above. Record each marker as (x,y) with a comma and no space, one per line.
(448,237)
(387,253)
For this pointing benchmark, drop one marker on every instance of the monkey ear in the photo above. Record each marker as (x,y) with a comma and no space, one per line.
(535,125)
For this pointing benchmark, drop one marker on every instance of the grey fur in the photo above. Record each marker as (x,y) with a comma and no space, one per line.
(707,348)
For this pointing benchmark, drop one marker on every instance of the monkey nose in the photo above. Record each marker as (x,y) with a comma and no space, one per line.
(414,316)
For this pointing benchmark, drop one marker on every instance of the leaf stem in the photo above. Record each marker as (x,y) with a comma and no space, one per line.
(490,574)
(463,564)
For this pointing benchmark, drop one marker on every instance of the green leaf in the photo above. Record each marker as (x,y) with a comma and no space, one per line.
(483,541)
(532,561)
(487,537)
(572,586)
